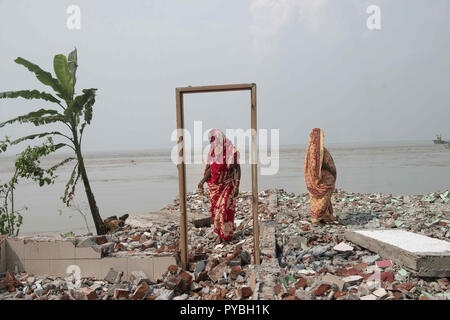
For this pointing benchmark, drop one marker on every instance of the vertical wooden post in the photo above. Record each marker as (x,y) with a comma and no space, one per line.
(254,158)
(182,179)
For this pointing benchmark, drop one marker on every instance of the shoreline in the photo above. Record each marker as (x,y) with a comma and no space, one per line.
(169,207)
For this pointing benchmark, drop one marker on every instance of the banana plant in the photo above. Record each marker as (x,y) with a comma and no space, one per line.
(73,111)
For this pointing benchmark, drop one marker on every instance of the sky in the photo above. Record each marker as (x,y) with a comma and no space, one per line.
(315,64)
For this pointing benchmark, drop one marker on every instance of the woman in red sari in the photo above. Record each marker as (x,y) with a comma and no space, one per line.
(320,177)
(222,174)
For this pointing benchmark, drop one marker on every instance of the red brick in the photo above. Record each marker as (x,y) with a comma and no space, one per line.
(121,294)
(398,296)
(291,297)
(86,294)
(361,266)
(186,276)
(11,281)
(246,292)
(140,292)
(172,282)
(173,268)
(321,289)
(278,289)
(236,252)
(339,294)
(354,272)
(301,283)
(403,286)
(443,282)
(387,276)
(101,240)
(235,271)
(136,237)
(383,263)
(202,275)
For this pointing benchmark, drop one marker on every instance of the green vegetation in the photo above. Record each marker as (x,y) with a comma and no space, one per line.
(74,111)
(26,166)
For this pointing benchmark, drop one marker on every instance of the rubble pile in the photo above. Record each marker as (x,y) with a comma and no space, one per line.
(312,261)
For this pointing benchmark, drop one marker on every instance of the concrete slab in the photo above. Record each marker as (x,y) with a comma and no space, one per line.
(63,250)
(58,268)
(142,264)
(146,220)
(87,253)
(37,250)
(118,264)
(43,257)
(15,254)
(160,265)
(89,268)
(424,255)
(35,266)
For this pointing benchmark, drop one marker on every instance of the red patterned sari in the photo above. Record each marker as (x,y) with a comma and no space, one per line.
(320,177)
(222,184)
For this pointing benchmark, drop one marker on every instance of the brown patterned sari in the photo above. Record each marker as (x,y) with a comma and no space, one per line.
(320,177)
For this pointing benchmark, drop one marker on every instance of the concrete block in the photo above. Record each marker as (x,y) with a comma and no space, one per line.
(160,265)
(426,256)
(15,253)
(118,264)
(37,267)
(62,250)
(38,250)
(58,268)
(90,268)
(87,253)
(142,264)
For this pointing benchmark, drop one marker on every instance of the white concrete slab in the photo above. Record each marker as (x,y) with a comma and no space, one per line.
(424,255)
(408,241)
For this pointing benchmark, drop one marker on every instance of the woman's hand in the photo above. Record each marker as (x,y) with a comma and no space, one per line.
(200,187)
(236,192)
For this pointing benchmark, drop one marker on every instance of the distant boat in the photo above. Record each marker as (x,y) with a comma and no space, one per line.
(439,140)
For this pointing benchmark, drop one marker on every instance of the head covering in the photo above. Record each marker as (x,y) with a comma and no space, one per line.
(222,150)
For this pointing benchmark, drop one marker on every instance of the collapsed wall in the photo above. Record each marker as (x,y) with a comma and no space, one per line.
(54,257)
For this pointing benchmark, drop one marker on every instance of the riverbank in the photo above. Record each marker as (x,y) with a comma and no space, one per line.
(303,261)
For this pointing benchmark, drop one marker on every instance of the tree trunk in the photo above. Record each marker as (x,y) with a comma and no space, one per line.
(99,224)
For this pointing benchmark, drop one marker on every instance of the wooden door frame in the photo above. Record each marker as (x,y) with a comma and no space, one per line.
(179,92)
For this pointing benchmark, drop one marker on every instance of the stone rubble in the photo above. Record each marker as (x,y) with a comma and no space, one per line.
(299,260)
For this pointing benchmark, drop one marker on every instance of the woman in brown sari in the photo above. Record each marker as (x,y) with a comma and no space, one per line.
(320,177)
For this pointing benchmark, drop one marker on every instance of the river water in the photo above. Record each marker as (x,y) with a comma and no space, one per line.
(144,181)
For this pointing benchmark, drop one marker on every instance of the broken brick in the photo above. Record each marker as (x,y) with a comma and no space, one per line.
(121,294)
(245,292)
(141,291)
(301,283)
(321,289)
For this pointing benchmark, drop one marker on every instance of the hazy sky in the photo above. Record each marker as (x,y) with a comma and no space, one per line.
(315,63)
